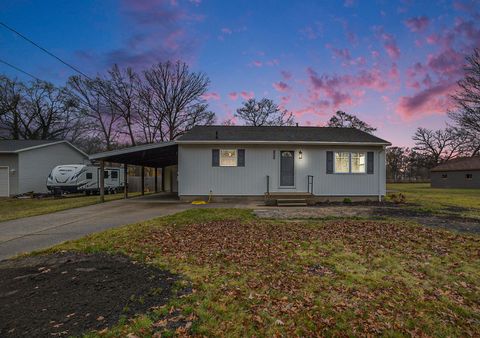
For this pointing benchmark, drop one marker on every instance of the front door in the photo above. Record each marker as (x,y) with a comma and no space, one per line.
(287,168)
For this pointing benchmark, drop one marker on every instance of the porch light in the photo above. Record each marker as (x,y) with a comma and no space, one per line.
(300,155)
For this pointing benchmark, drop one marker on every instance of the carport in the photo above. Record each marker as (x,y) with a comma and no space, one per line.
(156,155)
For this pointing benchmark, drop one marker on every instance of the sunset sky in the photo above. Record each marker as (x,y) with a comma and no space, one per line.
(391,63)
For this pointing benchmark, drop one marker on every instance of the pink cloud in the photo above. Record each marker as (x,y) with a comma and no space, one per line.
(273,62)
(233,96)
(247,95)
(257,63)
(390,44)
(226,30)
(281,86)
(342,53)
(156,33)
(286,75)
(447,63)
(433,100)
(417,24)
(284,100)
(211,96)
(332,84)
(393,73)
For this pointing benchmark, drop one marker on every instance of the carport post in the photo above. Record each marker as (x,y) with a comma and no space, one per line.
(125,181)
(156,180)
(143,180)
(163,179)
(102,181)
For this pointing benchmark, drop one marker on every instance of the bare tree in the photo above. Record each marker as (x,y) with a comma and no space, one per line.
(467,99)
(174,96)
(101,117)
(148,121)
(121,89)
(395,162)
(264,113)
(439,145)
(10,98)
(36,110)
(344,120)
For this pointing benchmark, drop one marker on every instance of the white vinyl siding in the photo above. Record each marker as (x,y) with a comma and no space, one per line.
(198,177)
(4,182)
(35,165)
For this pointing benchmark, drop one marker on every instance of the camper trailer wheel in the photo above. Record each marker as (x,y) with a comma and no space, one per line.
(87,192)
(57,192)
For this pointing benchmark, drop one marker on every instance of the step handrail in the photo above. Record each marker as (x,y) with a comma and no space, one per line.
(310,184)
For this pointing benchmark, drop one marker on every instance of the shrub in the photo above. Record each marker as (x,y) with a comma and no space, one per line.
(347,200)
(398,199)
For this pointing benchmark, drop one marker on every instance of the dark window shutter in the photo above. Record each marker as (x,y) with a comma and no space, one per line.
(329,162)
(370,162)
(241,158)
(215,157)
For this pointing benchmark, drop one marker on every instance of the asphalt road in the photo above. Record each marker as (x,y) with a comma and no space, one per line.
(38,232)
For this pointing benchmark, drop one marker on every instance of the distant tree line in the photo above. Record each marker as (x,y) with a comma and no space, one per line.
(123,107)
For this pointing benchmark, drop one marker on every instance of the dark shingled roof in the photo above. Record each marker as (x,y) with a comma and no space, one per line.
(7,146)
(460,164)
(279,134)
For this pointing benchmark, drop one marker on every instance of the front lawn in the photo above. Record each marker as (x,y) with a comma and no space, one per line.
(462,202)
(253,277)
(12,208)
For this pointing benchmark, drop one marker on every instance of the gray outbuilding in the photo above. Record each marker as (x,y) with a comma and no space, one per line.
(458,173)
(25,164)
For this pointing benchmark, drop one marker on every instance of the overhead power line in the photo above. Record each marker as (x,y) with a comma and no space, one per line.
(44,50)
(19,69)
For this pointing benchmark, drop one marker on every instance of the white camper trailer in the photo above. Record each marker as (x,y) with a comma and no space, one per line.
(84,178)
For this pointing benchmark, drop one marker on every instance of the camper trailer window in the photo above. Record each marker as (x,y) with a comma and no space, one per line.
(115,174)
(105,174)
(89,176)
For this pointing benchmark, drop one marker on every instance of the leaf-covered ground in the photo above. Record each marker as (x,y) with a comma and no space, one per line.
(265,277)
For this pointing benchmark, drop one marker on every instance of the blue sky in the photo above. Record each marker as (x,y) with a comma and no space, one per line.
(392,63)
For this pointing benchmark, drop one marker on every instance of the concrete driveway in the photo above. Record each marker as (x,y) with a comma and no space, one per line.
(38,232)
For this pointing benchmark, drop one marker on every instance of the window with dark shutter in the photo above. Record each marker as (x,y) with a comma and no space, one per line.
(215,157)
(329,162)
(370,162)
(241,158)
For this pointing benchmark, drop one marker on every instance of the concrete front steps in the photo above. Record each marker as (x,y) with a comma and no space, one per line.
(288,199)
(292,202)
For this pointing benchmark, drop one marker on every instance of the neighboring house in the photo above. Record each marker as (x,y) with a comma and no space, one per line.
(26,164)
(458,173)
(250,161)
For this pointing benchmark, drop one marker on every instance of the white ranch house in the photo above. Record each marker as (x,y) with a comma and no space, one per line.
(252,162)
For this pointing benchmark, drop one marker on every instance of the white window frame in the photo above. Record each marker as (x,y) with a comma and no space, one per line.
(227,165)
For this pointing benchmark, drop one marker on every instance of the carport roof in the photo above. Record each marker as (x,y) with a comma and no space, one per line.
(150,155)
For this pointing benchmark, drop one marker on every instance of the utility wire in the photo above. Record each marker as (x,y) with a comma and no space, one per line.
(19,69)
(43,49)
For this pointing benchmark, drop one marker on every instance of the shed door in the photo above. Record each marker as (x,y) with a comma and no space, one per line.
(4,183)
(287,169)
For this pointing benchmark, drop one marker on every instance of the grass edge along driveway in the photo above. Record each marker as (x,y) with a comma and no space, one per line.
(14,208)
(333,277)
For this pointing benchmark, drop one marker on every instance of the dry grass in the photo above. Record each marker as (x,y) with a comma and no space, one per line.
(267,278)
(13,208)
